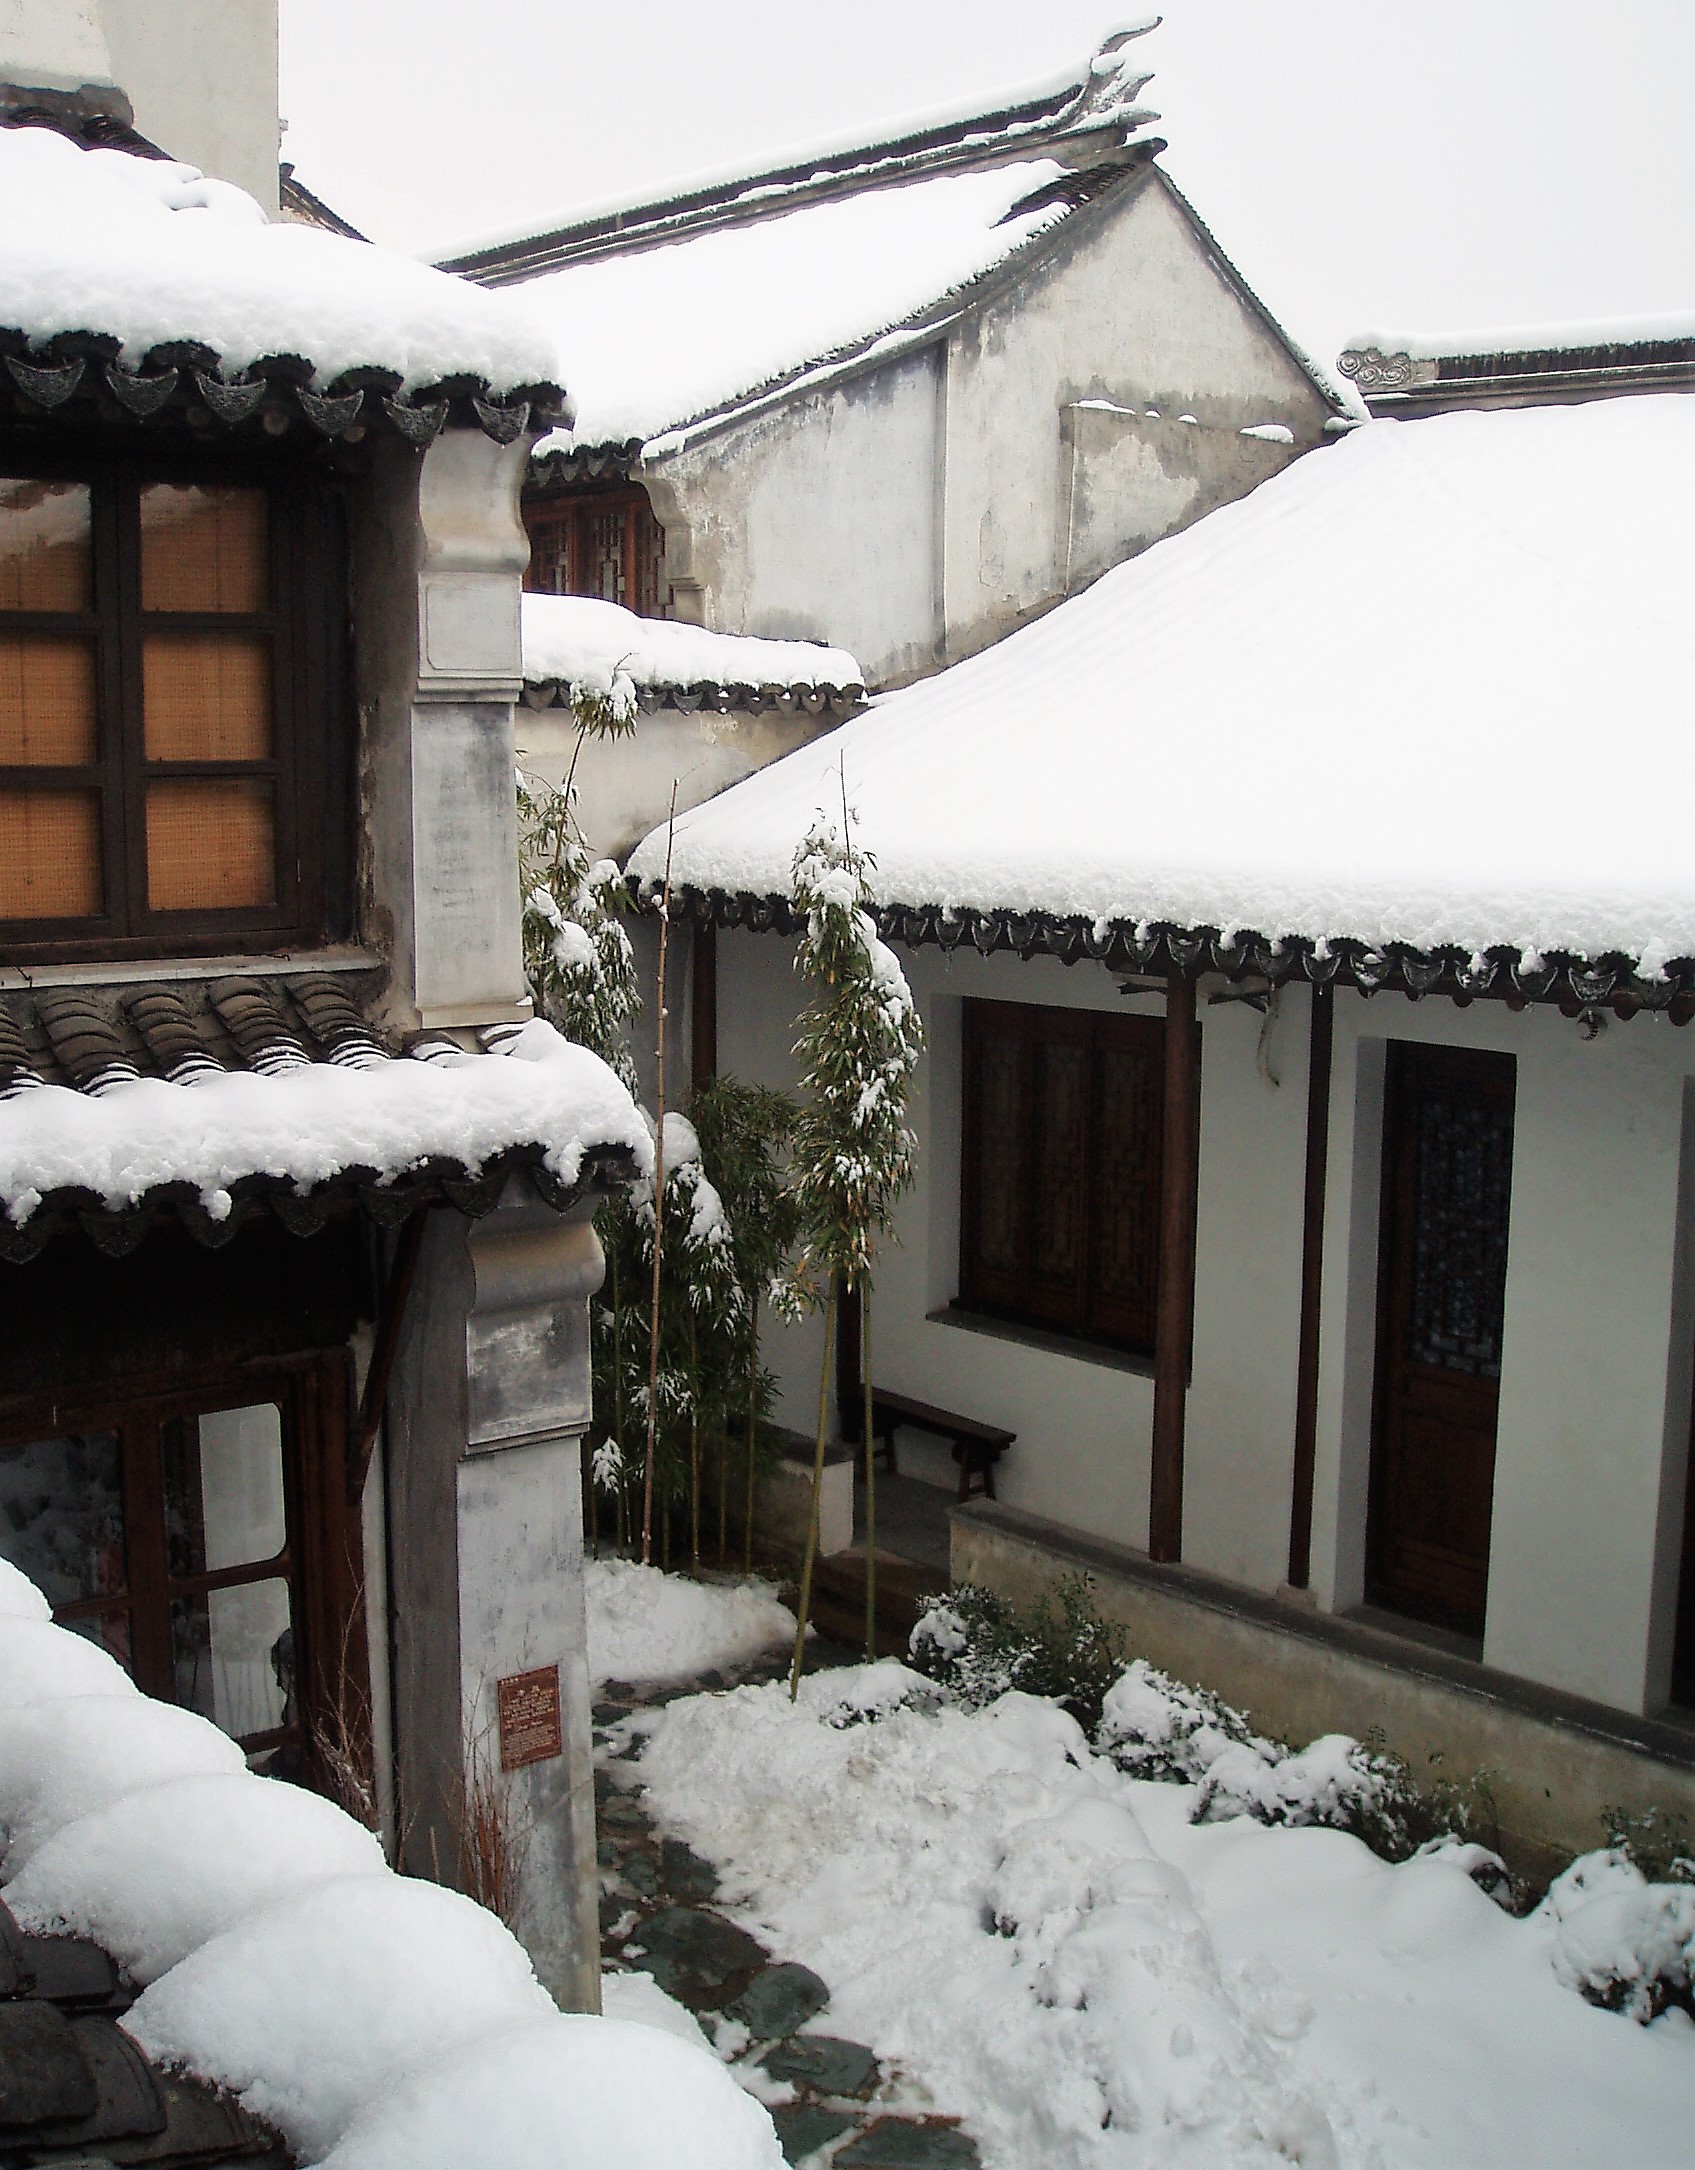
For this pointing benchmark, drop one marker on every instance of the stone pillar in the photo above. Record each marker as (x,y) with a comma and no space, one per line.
(523,1660)
(486,1413)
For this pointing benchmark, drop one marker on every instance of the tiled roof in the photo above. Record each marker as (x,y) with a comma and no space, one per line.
(76,2089)
(380,1139)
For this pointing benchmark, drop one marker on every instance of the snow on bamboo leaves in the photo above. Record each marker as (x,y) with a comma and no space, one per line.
(577,957)
(860,1041)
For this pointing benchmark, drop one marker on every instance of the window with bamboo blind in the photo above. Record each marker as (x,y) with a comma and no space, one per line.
(600,541)
(1060,1205)
(168,698)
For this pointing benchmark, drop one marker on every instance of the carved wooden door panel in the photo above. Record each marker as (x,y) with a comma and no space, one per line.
(1447,1185)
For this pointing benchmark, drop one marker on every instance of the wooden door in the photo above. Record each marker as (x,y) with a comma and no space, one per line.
(1447,1184)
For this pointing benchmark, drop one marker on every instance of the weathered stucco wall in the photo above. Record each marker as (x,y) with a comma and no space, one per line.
(817,521)
(916,511)
(1600,1328)
(1132,312)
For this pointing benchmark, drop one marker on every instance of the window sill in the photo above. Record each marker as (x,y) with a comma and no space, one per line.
(124,971)
(1041,1337)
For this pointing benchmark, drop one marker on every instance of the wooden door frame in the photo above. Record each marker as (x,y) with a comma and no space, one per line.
(1402,1057)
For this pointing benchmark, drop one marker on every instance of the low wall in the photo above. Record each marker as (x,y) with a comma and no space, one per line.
(1555,1763)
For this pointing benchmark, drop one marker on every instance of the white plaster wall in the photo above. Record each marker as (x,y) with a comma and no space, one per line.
(202,77)
(1083,1423)
(817,521)
(1240,1440)
(1594,1406)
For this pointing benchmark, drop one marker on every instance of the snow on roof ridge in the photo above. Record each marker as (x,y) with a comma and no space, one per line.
(857,156)
(582,642)
(1389,664)
(155,254)
(1576,335)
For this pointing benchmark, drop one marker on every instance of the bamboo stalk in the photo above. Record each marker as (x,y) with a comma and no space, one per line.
(870,1475)
(811,1552)
(658,1212)
(752,1434)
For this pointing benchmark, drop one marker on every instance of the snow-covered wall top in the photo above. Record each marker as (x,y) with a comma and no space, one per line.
(1429,686)
(377,2020)
(659,337)
(311,1122)
(581,642)
(152,253)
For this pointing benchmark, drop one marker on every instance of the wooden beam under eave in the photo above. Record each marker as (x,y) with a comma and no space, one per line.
(1312,1270)
(1175,1325)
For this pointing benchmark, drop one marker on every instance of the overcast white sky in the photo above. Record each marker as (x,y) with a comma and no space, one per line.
(1460,163)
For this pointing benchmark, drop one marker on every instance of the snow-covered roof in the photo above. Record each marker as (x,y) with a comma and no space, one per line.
(576,644)
(679,310)
(144,274)
(377,2020)
(156,1107)
(663,336)
(1423,695)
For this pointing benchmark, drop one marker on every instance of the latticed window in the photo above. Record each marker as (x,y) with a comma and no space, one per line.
(601,542)
(1059,1226)
(167,694)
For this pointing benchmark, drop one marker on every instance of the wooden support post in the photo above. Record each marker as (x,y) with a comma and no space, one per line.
(1312,1269)
(391,1316)
(703,1003)
(1174,1327)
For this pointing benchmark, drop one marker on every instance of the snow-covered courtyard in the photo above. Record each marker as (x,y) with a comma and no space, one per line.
(1053,1951)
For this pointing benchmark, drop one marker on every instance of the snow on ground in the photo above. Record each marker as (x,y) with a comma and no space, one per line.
(307,1124)
(1395,665)
(151,252)
(648,1626)
(1095,1983)
(602,648)
(381,2022)
(658,337)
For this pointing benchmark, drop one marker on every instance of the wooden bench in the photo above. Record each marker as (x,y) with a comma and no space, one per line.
(976,1447)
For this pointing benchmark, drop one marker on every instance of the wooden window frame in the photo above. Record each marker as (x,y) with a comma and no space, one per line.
(643,543)
(1084,1313)
(310,768)
(321,1551)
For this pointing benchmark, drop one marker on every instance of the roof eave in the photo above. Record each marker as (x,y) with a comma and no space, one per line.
(1577,986)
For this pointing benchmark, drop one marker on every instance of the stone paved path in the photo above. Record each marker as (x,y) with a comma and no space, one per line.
(832,2100)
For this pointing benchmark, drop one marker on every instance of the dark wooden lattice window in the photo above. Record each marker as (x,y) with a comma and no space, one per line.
(600,542)
(1059,1226)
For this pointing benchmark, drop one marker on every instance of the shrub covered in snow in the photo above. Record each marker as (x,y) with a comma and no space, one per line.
(1621,1941)
(978,1646)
